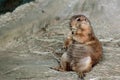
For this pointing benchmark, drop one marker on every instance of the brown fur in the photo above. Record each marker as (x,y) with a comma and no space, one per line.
(83,48)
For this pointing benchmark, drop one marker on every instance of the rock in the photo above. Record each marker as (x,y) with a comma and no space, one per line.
(32,32)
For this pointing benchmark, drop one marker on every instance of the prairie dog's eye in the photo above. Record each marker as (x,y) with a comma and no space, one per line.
(78,19)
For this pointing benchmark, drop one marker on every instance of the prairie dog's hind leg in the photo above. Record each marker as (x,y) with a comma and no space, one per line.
(84,65)
(65,62)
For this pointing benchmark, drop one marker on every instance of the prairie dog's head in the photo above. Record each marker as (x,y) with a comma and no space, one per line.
(79,22)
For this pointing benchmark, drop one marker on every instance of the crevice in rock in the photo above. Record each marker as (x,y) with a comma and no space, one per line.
(10,5)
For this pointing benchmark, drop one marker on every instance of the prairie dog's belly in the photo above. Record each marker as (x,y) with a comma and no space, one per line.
(79,50)
(80,57)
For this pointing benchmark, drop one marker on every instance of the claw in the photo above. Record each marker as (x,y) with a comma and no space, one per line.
(81,76)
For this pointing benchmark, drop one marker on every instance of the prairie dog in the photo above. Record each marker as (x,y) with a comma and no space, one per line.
(83,49)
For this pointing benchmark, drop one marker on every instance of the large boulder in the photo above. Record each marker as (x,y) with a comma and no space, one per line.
(32,32)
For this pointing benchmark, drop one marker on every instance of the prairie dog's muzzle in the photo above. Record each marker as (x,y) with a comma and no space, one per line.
(73,29)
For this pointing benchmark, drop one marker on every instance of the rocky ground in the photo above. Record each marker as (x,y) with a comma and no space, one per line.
(30,34)
(35,64)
